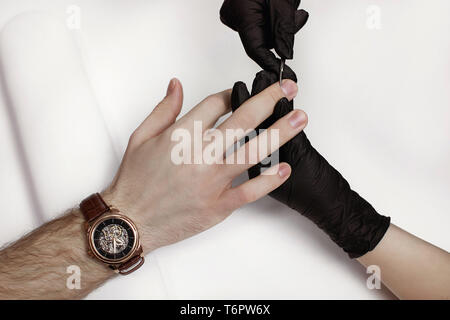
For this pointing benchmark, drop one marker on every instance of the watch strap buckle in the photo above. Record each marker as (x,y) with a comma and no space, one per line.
(131,265)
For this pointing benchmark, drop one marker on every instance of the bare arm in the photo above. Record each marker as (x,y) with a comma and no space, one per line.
(411,267)
(35,267)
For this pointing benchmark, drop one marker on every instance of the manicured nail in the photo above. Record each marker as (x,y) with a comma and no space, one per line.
(172,85)
(284,170)
(297,119)
(289,88)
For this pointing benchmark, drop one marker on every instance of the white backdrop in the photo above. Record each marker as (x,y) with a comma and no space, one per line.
(378,106)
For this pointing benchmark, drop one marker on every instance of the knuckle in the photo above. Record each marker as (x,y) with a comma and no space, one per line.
(245,196)
(135,138)
(242,120)
(215,100)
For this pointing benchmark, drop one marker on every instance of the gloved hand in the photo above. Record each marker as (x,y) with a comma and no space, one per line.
(315,189)
(264,25)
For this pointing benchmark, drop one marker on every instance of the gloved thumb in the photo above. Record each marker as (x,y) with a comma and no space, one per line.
(286,22)
(301,17)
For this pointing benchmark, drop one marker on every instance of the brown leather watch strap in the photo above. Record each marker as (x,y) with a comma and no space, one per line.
(93,206)
(132,264)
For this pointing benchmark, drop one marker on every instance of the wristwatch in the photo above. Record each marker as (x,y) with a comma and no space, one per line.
(112,237)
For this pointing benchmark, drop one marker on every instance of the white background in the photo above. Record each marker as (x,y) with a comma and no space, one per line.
(378,106)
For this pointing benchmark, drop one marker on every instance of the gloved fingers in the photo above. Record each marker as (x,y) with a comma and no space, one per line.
(251,20)
(267,142)
(288,73)
(258,49)
(282,19)
(255,110)
(283,107)
(284,43)
(254,171)
(301,18)
(258,187)
(297,3)
(239,95)
(263,80)
(208,111)
(296,149)
(286,21)
(229,16)
(263,25)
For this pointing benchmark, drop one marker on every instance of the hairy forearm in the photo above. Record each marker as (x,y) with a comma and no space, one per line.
(410,267)
(35,267)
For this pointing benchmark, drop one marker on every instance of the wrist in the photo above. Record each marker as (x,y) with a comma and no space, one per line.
(148,237)
(364,227)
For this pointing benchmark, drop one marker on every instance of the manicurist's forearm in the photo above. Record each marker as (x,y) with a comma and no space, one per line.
(410,267)
(35,267)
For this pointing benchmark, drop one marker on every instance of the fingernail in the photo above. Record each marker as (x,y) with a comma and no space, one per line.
(289,88)
(172,85)
(297,119)
(284,170)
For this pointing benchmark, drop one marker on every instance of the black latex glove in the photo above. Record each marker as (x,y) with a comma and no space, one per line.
(264,25)
(315,189)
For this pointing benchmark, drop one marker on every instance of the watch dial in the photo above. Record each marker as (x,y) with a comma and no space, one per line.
(113,238)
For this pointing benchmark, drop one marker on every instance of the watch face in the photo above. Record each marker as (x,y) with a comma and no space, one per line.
(113,238)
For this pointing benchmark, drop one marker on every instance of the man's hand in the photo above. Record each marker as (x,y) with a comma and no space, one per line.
(171,202)
(168,202)
(264,25)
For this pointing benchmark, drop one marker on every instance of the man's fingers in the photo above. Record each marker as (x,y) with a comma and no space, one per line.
(256,110)
(266,143)
(164,114)
(258,187)
(210,109)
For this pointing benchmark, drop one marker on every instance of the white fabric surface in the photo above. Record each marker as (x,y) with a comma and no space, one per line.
(378,103)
